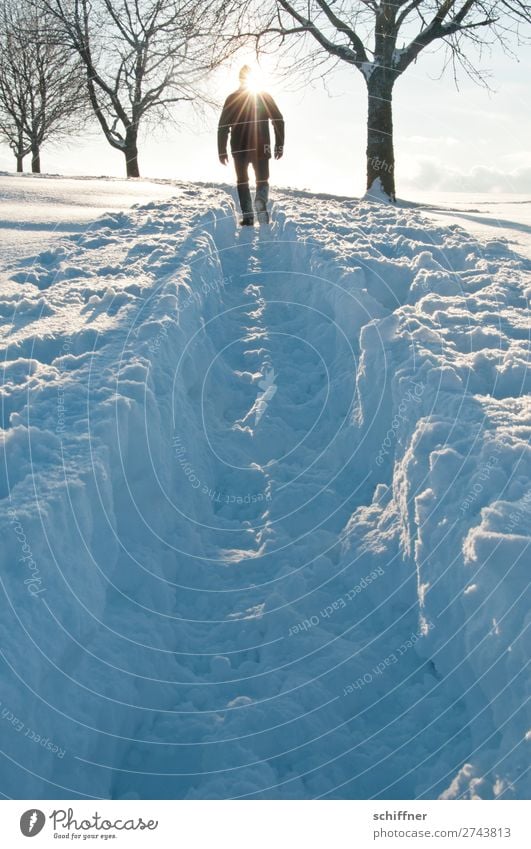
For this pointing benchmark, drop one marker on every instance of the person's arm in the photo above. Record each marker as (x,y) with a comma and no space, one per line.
(275,115)
(223,133)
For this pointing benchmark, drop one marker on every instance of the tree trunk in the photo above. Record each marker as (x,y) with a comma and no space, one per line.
(20,163)
(131,154)
(380,152)
(35,160)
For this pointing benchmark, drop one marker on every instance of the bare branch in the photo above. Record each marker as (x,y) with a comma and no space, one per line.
(42,91)
(140,56)
(341,51)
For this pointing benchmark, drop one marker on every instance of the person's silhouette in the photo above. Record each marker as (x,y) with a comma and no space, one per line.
(246,115)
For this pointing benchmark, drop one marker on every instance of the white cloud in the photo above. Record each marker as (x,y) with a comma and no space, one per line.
(448,141)
(433,175)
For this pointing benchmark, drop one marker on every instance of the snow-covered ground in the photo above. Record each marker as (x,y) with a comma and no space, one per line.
(265,500)
(485,216)
(35,210)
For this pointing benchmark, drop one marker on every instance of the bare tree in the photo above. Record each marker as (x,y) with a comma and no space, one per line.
(366,35)
(41,88)
(13,93)
(141,57)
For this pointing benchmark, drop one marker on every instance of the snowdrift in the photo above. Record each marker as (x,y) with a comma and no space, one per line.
(265,503)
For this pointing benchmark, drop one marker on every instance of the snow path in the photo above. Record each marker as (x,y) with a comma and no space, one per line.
(242,468)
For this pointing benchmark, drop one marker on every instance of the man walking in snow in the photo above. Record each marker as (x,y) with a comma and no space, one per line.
(246,115)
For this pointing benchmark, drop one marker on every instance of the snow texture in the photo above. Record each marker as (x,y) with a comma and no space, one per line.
(376,193)
(265,502)
(368,68)
(398,52)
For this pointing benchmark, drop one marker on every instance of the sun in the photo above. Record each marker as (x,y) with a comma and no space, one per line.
(255,81)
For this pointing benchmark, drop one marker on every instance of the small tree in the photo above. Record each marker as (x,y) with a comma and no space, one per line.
(13,98)
(366,33)
(141,57)
(41,88)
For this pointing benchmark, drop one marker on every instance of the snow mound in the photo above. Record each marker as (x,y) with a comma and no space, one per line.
(265,504)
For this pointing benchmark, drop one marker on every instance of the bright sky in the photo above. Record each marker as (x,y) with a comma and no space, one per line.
(468,140)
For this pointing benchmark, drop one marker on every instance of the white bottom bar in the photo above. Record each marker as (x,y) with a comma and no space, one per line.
(266,824)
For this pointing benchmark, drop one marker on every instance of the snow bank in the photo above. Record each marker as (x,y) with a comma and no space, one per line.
(265,503)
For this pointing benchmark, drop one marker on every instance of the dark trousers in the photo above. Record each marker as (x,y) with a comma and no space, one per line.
(261,173)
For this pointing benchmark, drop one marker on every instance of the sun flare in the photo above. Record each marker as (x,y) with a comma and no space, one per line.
(255,80)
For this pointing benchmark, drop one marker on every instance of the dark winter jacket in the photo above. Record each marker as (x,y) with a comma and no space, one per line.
(246,116)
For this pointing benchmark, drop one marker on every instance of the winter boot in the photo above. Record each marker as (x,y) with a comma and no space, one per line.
(260,203)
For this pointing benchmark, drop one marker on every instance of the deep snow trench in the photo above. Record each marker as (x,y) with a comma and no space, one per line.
(266,504)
